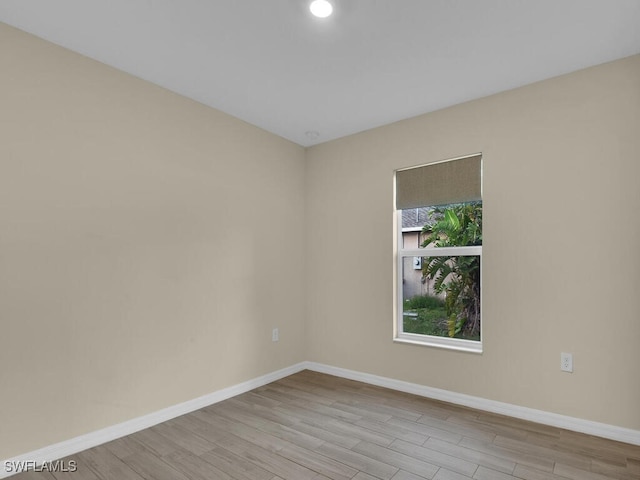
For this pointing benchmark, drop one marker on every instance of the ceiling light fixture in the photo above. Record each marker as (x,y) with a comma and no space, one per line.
(321,8)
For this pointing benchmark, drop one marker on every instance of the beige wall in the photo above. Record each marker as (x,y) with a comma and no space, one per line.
(148,244)
(560,253)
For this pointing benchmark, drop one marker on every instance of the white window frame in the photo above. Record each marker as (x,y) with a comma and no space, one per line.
(400,336)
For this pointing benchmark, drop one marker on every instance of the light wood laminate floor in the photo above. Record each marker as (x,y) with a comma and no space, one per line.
(315,426)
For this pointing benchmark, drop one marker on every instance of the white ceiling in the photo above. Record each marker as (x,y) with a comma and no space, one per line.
(272,64)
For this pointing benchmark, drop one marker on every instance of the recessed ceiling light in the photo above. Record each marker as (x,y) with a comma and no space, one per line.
(321,8)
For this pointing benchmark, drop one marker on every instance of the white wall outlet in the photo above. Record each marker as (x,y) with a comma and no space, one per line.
(275,335)
(566,362)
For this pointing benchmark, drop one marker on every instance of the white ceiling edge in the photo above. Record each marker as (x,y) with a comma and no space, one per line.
(374,62)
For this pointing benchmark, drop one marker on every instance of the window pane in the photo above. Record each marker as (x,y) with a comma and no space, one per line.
(455,225)
(441,296)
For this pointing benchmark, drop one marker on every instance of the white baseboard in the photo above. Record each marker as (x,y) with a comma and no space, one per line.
(83,442)
(92,439)
(589,427)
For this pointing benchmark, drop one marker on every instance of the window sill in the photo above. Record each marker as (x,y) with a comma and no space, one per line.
(467,346)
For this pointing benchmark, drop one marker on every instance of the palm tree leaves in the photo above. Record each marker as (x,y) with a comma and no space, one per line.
(458,277)
(452,220)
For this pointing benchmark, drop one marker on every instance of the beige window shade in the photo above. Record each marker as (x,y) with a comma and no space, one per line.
(453,181)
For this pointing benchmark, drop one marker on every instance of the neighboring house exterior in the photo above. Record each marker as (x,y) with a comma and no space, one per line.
(413,222)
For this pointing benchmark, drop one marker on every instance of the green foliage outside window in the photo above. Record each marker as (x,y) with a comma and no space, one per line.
(458,277)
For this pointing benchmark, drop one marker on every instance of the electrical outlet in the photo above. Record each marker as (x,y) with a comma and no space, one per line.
(566,362)
(275,335)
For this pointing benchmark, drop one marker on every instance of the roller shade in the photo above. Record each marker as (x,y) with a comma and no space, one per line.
(452,181)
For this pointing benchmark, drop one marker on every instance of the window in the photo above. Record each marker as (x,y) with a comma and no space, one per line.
(439,254)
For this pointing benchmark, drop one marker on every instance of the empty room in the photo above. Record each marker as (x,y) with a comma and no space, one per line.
(296,239)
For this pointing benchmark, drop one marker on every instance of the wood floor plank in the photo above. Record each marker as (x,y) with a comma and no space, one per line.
(198,427)
(456,464)
(183,438)
(283,396)
(361,411)
(528,473)
(574,473)
(426,430)
(124,447)
(484,473)
(268,413)
(526,426)
(235,430)
(416,405)
(304,409)
(433,408)
(473,456)
(356,433)
(327,435)
(288,450)
(300,394)
(359,462)
(152,467)
(155,443)
(398,459)
(331,411)
(364,476)
(318,463)
(106,465)
(312,426)
(633,465)
(268,459)
(393,430)
(444,474)
(301,414)
(464,430)
(194,467)
(569,458)
(402,475)
(351,391)
(497,429)
(236,466)
(253,398)
(387,410)
(540,463)
(591,445)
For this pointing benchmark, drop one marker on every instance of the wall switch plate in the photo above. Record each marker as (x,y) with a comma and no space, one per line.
(275,335)
(566,362)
